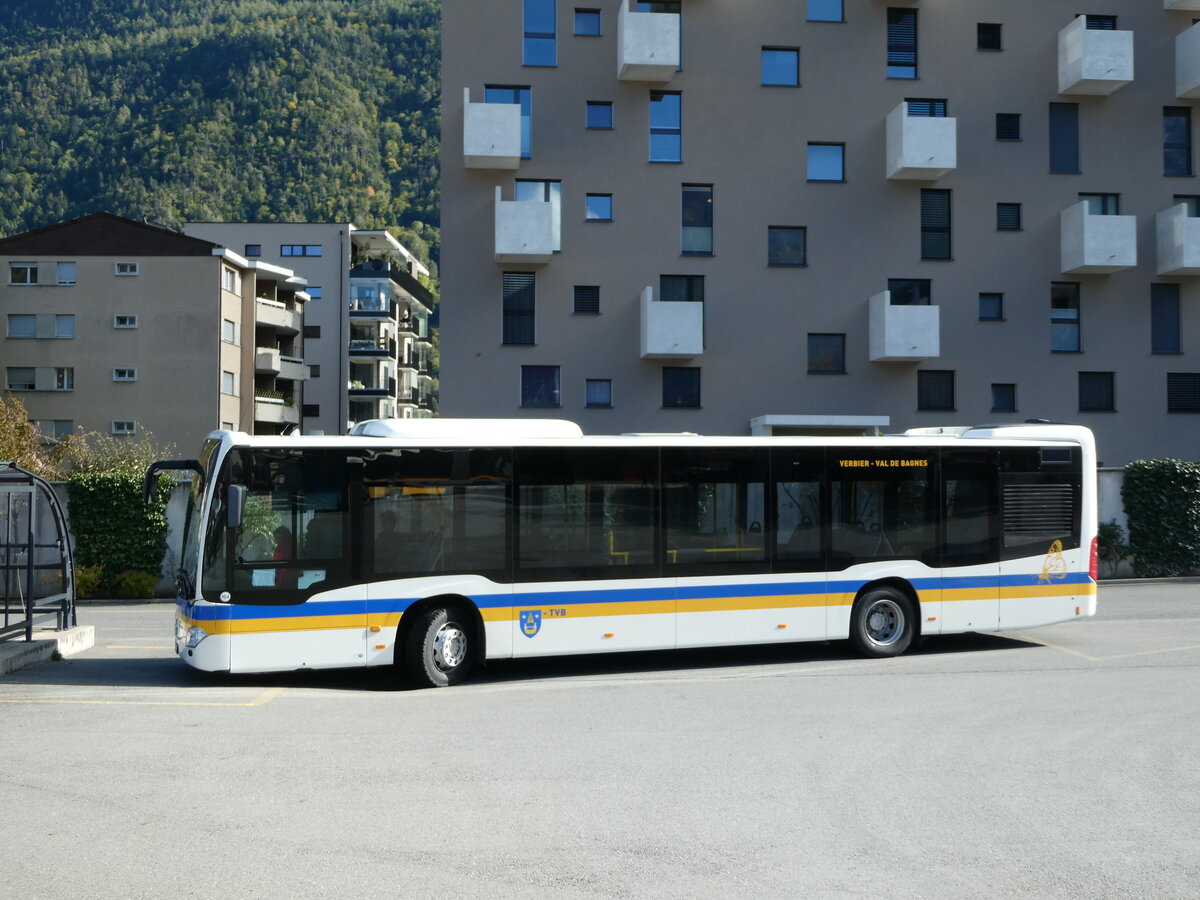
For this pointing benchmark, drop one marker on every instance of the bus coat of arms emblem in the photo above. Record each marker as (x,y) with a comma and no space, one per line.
(531,622)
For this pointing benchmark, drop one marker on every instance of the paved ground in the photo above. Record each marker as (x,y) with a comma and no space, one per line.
(1058,763)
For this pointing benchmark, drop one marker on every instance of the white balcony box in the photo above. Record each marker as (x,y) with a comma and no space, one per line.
(266,361)
(671,329)
(273,314)
(1181,4)
(1093,61)
(903,333)
(292,368)
(491,134)
(647,45)
(275,412)
(1178,238)
(1187,63)
(526,231)
(920,148)
(1094,244)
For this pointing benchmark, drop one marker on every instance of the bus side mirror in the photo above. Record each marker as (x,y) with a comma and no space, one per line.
(235,505)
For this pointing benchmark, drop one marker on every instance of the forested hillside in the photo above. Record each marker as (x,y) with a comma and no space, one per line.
(203,110)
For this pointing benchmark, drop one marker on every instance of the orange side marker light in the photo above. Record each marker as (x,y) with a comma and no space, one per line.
(610,634)
(932,619)
(781,625)
(375,629)
(381,646)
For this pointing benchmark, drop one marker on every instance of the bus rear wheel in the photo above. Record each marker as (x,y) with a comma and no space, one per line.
(439,648)
(883,622)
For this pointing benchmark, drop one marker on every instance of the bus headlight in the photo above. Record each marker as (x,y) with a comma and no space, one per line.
(195,635)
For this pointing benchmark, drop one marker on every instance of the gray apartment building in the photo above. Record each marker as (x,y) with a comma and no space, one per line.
(782,216)
(122,327)
(367,329)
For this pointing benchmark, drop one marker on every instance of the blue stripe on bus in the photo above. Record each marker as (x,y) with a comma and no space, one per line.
(620,595)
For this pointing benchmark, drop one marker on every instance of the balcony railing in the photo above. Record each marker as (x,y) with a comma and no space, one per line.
(647,45)
(273,314)
(671,329)
(1177,236)
(266,360)
(525,231)
(359,390)
(491,134)
(1096,244)
(1187,61)
(903,333)
(373,348)
(920,148)
(1093,61)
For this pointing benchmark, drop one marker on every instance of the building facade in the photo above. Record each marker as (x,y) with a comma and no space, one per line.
(794,215)
(367,332)
(121,327)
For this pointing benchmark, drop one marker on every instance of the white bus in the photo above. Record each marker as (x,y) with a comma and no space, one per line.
(438,544)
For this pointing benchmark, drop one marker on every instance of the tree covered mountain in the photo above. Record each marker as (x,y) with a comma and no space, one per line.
(221,110)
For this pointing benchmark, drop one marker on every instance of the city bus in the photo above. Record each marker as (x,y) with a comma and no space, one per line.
(437,545)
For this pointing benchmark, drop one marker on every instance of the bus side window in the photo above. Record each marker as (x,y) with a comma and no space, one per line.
(969,505)
(883,507)
(799,475)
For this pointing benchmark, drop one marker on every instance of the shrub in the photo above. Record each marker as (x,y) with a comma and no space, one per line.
(87,582)
(1112,547)
(135,585)
(1162,503)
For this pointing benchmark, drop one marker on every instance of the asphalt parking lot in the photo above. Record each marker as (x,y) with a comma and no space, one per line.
(1059,762)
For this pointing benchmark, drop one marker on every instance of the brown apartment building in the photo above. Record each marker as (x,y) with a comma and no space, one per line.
(121,327)
(824,215)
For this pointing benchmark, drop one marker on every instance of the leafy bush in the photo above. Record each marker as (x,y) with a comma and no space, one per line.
(135,585)
(87,582)
(1112,547)
(1162,503)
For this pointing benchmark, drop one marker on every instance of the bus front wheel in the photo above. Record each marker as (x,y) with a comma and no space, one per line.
(439,647)
(883,622)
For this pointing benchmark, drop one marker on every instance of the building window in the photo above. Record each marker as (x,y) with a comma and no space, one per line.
(20,378)
(1064,138)
(56,428)
(826,354)
(518,288)
(696,237)
(125,321)
(229,331)
(314,371)
(1101,23)
(826,11)
(312,331)
(1183,392)
(540,386)
(780,66)
(1064,317)
(300,250)
(64,379)
(310,410)
(599,208)
(228,384)
(787,246)
(231,280)
(1164,319)
(666,126)
(587,300)
(910,291)
(988,36)
(681,288)
(598,393)
(991,307)
(935,390)
(901,43)
(587,22)
(64,327)
(925,107)
(128,269)
(1008,216)
(22,273)
(599,115)
(1102,204)
(529,191)
(935,224)
(253,250)
(522,96)
(1192,202)
(22,326)
(826,162)
(1008,126)
(681,387)
(1004,398)
(124,375)
(66,273)
(124,426)
(1096,392)
(539,47)
(314,292)
(1177,140)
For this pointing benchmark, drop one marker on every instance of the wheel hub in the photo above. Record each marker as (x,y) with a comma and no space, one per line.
(885,623)
(449,647)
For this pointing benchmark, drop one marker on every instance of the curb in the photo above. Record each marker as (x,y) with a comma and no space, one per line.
(17,655)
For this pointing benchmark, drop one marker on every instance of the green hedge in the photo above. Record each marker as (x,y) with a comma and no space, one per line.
(1162,504)
(112,528)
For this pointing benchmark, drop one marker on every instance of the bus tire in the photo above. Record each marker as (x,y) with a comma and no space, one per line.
(439,647)
(883,622)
